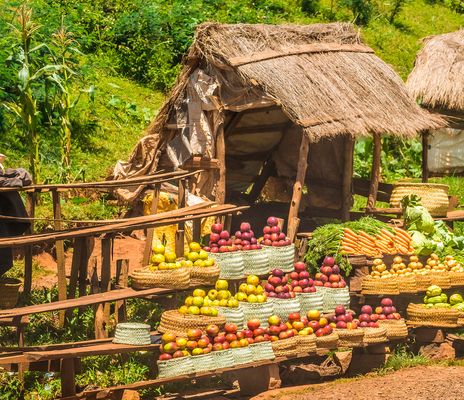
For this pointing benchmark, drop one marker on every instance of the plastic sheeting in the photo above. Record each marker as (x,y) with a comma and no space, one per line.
(446,151)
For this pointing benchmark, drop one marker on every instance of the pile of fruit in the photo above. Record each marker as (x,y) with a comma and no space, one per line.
(251,291)
(277,285)
(301,281)
(319,324)
(368,319)
(162,259)
(195,344)
(245,238)
(329,275)
(434,297)
(273,235)
(456,301)
(343,319)
(387,310)
(220,240)
(196,257)
(232,337)
(449,264)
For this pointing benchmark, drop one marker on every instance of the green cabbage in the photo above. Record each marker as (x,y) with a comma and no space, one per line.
(422,245)
(433,300)
(456,298)
(433,290)
(416,217)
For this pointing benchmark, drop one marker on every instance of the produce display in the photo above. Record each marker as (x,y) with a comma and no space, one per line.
(386,310)
(343,319)
(273,235)
(434,297)
(220,240)
(251,291)
(245,238)
(277,285)
(329,275)
(197,257)
(163,260)
(301,281)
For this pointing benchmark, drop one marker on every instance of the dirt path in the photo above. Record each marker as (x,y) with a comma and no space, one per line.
(419,383)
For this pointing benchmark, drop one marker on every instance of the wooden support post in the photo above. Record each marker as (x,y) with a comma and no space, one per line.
(122,280)
(30,207)
(221,156)
(425,155)
(196,230)
(182,199)
(347,177)
(84,265)
(79,244)
(149,239)
(375,174)
(68,377)
(93,276)
(292,223)
(228,222)
(59,246)
(179,242)
(266,171)
(105,283)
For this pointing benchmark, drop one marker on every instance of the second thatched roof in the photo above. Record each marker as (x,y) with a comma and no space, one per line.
(437,80)
(322,75)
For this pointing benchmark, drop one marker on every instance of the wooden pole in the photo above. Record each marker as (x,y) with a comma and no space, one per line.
(30,207)
(60,260)
(347,177)
(122,277)
(375,175)
(425,155)
(150,231)
(107,244)
(293,220)
(221,156)
(68,377)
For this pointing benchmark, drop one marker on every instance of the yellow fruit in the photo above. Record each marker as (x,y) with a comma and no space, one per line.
(189,301)
(192,256)
(215,303)
(199,292)
(170,257)
(209,262)
(252,298)
(214,312)
(183,310)
(153,268)
(397,260)
(194,310)
(162,266)
(261,298)
(205,310)
(199,263)
(223,295)
(381,267)
(377,261)
(194,246)
(243,288)
(178,264)
(223,303)
(202,255)
(188,263)
(251,289)
(158,248)
(212,294)
(207,302)
(414,259)
(259,290)
(198,301)
(157,258)
(252,280)
(241,296)
(232,303)
(221,284)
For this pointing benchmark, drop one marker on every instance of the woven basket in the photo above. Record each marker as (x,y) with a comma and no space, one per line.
(350,337)
(375,335)
(328,342)
(461,319)
(262,351)
(281,257)
(285,347)
(419,315)
(9,289)
(242,355)
(284,307)
(396,328)
(261,311)
(170,278)
(233,315)
(173,321)
(223,358)
(387,286)
(434,197)
(132,333)
(334,297)
(256,262)
(175,367)
(203,363)
(230,264)
(307,343)
(456,278)
(204,276)
(441,279)
(407,284)
(310,301)
(423,282)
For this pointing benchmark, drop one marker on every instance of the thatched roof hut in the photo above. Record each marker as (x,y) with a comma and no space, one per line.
(437,83)
(249,96)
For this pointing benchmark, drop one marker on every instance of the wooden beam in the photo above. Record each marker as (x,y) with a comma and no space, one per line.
(347,177)
(267,170)
(292,222)
(150,231)
(425,155)
(375,174)
(59,246)
(221,156)
(30,207)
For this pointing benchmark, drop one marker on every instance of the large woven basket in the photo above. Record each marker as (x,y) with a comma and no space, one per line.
(375,335)
(387,286)
(441,279)
(328,342)
(456,278)
(242,355)
(307,343)
(407,284)
(256,262)
(230,264)
(223,358)
(203,362)
(262,351)
(310,301)
(333,297)
(175,367)
(396,328)
(170,278)
(284,307)
(420,315)
(261,311)
(233,315)
(350,337)
(132,333)
(173,321)
(285,347)
(433,196)
(281,257)
(204,276)
(423,282)
(9,292)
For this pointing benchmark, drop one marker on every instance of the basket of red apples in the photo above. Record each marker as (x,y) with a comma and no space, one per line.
(373,332)
(280,250)
(332,285)
(281,294)
(255,259)
(391,320)
(222,249)
(303,286)
(346,327)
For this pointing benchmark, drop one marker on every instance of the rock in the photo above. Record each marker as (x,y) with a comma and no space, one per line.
(435,351)
(130,395)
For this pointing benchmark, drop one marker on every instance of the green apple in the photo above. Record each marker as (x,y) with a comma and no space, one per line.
(212,294)
(222,284)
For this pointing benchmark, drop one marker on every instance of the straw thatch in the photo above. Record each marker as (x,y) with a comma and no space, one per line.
(437,80)
(337,86)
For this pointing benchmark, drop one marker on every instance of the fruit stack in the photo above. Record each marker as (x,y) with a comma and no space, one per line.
(332,285)
(280,249)
(163,260)
(225,253)
(227,305)
(305,290)
(245,238)
(347,328)
(255,258)
(204,270)
(253,300)
(200,303)
(387,316)
(281,294)
(373,332)
(174,359)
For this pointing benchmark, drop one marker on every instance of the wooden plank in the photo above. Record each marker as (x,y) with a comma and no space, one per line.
(68,377)
(122,280)
(221,156)
(182,199)
(298,186)
(375,174)
(30,207)
(267,170)
(196,230)
(301,49)
(103,309)
(150,231)
(425,155)
(347,177)
(87,249)
(179,242)
(59,246)
(76,260)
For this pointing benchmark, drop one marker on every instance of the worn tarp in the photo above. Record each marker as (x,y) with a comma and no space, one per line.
(446,151)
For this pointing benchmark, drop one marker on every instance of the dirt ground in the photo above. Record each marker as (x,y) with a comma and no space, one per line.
(418,383)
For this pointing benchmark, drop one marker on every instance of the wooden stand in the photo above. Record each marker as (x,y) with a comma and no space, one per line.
(375,175)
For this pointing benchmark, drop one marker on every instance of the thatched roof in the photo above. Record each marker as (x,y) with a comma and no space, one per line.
(326,80)
(437,79)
